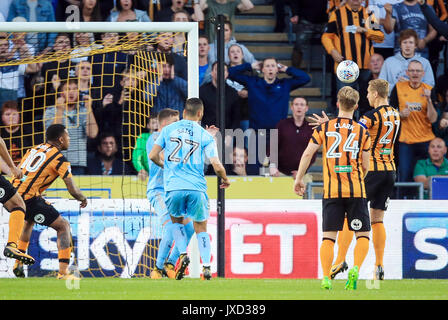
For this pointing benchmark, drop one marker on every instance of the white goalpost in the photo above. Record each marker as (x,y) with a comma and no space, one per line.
(192,35)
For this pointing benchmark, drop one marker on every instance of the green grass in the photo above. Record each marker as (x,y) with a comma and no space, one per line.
(218,289)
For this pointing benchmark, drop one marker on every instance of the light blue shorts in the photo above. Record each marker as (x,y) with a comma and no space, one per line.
(188,204)
(157,201)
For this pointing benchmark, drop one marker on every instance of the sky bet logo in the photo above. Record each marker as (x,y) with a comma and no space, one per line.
(425,245)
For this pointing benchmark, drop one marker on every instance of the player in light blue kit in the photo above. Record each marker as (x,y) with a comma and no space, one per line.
(186,144)
(156,196)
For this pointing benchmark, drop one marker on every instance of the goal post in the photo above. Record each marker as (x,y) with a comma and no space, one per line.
(191,28)
(115,226)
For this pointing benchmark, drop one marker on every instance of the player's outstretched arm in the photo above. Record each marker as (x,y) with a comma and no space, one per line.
(4,154)
(154,155)
(220,172)
(299,185)
(75,191)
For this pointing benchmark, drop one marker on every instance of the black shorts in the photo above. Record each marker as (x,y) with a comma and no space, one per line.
(6,190)
(379,188)
(335,210)
(40,211)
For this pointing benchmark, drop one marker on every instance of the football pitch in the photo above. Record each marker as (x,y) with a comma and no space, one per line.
(217,289)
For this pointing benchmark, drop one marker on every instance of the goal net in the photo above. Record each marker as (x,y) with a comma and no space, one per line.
(104,82)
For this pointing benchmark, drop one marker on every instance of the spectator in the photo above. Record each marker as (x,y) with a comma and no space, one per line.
(107,160)
(408,15)
(440,26)
(268,96)
(33,108)
(35,11)
(115,108)
(308,19)
(436,21)
(180,40)
(395,68)
(126,12)
(165,45)
(166,15)
(240,165)
(172,90)
(82,46)
(375,65)
(387,47)
(229,40)
(236,57)
(439,42)
(83,71)
(208,93)
(107,67)
(58,70)
(78,118)
(17,136)
(413,99)
(293,136)
(9,75)
(90,11)
(435,165)
(213,8)
(139,154)
(19,49)
(205,68)
(440,128)
(340,37)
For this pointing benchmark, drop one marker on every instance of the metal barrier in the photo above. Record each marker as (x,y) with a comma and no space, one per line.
(419,185)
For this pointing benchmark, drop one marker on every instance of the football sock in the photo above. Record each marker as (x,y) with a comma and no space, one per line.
(16,222)
(165,244)
(189,231)
(23,245)
(361,250)
(180,237)
(64,259)
(379,241)
(344,240)
(326,255)
(204,248)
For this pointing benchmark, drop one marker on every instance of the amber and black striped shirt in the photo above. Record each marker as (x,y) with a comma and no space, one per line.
(343,141)
(41,166)
(340,34)
(383,124)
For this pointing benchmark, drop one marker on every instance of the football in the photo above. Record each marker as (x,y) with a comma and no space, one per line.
(347,71)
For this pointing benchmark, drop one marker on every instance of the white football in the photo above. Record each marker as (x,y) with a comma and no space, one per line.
(347,71)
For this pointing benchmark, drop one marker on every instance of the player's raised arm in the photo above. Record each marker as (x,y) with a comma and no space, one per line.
(75,191)
(4,154)
(299,185)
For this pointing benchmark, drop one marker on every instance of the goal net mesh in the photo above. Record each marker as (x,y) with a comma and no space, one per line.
(94,84)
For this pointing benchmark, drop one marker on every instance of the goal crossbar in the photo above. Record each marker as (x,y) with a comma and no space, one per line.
(191,28)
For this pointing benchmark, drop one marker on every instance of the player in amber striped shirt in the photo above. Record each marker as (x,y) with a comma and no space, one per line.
(383,124)
(346,151)
(41,166)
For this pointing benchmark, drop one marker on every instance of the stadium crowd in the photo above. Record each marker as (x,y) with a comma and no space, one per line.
(388,39)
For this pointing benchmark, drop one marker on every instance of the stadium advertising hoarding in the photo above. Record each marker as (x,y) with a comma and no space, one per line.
(264,239)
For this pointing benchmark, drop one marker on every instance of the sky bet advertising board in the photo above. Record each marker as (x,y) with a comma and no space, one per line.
(425,244)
